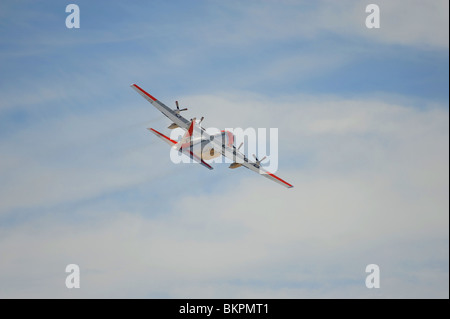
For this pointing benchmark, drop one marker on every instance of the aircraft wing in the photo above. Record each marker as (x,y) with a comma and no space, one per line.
(233,154)
(174,117)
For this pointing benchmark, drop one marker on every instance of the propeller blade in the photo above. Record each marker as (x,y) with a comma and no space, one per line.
(176,103)
(185,109)
(240,145)
(258,162)
(201,120)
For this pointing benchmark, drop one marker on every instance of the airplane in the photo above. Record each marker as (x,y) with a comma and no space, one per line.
(208,147)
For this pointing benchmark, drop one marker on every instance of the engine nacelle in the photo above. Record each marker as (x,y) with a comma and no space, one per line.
(208,152)
(234,165)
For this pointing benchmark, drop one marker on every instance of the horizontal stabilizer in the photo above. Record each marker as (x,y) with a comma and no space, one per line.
(163,137)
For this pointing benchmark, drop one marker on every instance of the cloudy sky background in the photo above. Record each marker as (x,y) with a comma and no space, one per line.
(363,119)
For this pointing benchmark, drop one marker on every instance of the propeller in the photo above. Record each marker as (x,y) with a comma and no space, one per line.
(240,146)
(178,110)
(201,120)
(258,162)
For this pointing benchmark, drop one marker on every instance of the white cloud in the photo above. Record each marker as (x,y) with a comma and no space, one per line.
(370,175)
(371,186)
(415,23)
(75,157)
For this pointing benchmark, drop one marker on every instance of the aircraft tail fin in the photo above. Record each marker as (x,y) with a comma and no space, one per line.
(186,139)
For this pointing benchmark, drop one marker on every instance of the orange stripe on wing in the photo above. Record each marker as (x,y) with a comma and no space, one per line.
(137,87)
(274,176)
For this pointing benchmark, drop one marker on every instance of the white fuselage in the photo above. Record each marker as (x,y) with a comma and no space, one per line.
(204,149)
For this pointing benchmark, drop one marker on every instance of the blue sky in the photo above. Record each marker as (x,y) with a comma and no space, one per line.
(363,126)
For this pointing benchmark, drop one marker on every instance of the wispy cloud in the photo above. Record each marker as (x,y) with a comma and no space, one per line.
(412,23)
(342,217)
(363,127)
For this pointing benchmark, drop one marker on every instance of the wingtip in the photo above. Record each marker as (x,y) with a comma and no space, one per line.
(143,93)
